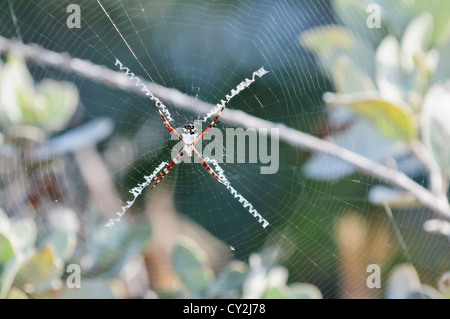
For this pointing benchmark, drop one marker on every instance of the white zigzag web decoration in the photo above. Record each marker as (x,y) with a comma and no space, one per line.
(241,86)
(245,203)
(144,89)
(136,192)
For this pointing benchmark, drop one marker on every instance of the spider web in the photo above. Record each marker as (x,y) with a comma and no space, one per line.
(204,49)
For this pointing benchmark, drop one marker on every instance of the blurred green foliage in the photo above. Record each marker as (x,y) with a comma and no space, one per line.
(392,78)
(404,283)
(391,97)
(34,252)
(261,278)
(48,105)
(33,266)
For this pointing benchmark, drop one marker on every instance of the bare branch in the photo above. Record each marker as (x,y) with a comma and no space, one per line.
(298,139)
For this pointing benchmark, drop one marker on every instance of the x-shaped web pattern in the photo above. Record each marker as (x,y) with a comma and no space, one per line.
(189,147)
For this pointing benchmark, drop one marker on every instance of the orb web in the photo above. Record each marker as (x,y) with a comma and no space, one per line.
(204,50)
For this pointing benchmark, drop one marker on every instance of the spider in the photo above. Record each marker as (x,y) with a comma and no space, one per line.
(189,137)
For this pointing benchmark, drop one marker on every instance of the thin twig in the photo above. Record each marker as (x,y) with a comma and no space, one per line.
(105,76)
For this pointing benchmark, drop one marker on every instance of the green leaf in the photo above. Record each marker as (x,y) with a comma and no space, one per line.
(6,249)
(388,70)
(402,282)
(189,263)
(60,100)
(326,39)
(49,106)
(16,90)
(8,274)
(63,244)
(330,42)
(394,120)
(416,40)
(348,78)
(435,119)
(397,14)
(303,291)
(228,284)
(275,293)
(63,234)
(23,234)
(16,293)
(38,272)
(110,249)
(440,10)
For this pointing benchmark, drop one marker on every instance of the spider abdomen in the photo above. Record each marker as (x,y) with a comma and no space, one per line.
(188,140)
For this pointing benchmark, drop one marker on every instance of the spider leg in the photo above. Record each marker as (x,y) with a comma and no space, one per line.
(245,203)
(169,127)
(166,170)
(208,168)
(209,127)
(243,85)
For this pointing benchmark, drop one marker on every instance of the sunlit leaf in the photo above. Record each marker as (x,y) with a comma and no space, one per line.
(348,78)
(388,70)
(435,125)
(397,14)
(49,105)
(326,39)
(16,90)
(330,42)
(16,293)
(394,120)
(440,10)
(6,249)
(62,243)
(38,272)
(402,282)
(8,274)
(61,100)
(23,234)
(416,40)
(275,293)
